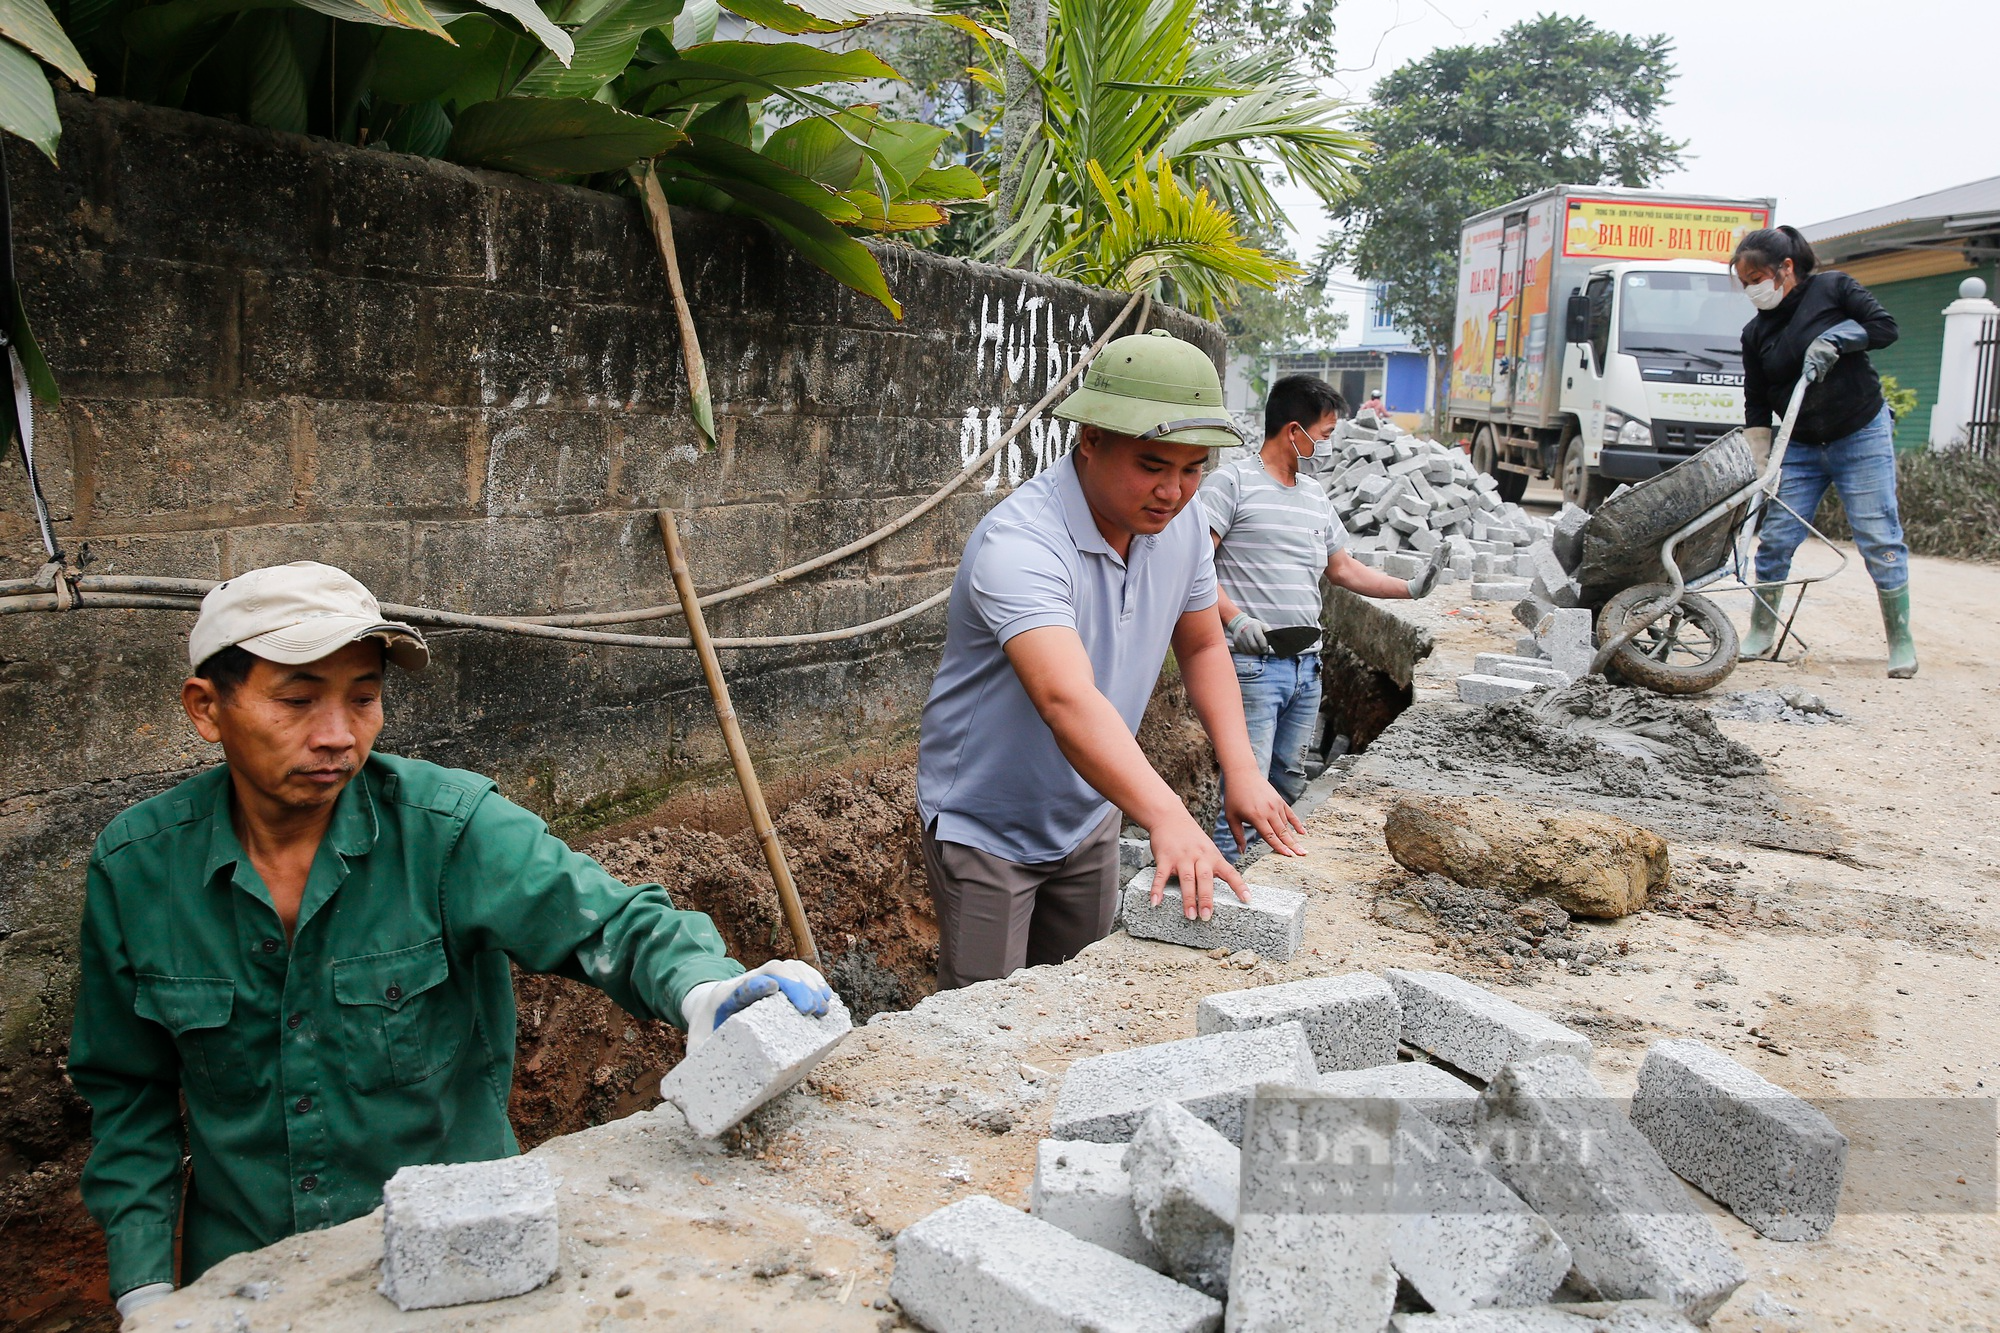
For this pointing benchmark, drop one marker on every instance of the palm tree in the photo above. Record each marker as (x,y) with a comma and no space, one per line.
(1156,152)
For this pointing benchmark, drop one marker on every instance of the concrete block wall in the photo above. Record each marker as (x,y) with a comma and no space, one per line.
(466,388)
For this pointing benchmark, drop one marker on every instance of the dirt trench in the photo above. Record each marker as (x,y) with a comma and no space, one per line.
(852,843)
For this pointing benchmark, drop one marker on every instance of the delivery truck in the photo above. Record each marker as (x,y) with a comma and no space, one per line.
(1597,336)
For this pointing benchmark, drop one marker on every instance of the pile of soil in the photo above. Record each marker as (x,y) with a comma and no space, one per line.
(851,843)
(1629,752)
(56,1278)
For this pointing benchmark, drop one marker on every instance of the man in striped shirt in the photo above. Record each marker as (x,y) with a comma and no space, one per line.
(1275,534)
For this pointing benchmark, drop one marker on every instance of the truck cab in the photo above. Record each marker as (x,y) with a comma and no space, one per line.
(1652,371)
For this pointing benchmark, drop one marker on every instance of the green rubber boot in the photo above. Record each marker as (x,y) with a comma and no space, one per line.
(1896,624)
(1764,599)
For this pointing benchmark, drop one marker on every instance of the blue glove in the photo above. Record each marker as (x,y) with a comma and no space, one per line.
(1829,347)
(711,1003)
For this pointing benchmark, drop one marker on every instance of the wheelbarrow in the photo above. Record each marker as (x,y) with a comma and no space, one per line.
(1646,548)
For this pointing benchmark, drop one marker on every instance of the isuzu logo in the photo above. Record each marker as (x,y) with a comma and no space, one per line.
(1718,377)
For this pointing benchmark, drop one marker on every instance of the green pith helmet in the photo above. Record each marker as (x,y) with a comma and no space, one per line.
(1153,386)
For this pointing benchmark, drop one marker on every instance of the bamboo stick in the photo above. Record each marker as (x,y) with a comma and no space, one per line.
(739,754)
(661,219)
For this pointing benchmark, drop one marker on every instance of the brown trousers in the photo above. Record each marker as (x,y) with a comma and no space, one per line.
(997,916)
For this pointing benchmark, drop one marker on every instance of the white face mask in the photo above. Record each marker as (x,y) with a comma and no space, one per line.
(1764,295)
(1321,459)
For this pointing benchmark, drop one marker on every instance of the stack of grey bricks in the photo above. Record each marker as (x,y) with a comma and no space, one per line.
(1175,1192)
(1559,644)
(1401,497)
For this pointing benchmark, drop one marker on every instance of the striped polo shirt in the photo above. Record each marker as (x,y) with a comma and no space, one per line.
(1276,540)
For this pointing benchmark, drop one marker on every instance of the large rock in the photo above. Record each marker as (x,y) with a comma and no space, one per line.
(1594,865)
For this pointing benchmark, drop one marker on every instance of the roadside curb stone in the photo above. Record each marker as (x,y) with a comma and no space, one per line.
(1474,1029)
(1764,1154)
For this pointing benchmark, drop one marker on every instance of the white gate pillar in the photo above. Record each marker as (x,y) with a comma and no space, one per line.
(1958,370)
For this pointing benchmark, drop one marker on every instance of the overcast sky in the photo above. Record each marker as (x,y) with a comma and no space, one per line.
(1831,107)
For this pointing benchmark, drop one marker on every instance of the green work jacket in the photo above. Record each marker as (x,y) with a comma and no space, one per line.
(380,1036)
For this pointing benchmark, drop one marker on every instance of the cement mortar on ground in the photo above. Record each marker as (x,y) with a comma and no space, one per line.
(1658,762)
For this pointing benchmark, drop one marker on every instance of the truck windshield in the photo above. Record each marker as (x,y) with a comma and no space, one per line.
(1698,315)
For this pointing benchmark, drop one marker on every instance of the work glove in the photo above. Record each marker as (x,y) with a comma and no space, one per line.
(1422,584)
(140,1297)
(1249,635)
(710,1003)
(1829,347)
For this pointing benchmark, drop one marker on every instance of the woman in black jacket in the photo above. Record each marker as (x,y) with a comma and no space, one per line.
(1822,326)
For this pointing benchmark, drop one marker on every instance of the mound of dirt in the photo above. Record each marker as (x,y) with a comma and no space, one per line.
(1653,760)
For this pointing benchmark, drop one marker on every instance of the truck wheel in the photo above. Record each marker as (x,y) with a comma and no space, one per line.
(1486,458)
(1580,486)
(1690,649)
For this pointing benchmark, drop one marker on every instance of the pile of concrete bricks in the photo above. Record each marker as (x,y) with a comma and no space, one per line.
(1401,497)
(1287,1169)
(1560,642)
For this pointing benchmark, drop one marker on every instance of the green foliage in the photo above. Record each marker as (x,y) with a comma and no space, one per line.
(30,37)
(1902,402)
(1949,500)
(1193,131)
(1556,100)
(1302,27)
(587,91)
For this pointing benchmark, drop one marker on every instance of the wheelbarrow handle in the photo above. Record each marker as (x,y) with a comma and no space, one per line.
(1762,485)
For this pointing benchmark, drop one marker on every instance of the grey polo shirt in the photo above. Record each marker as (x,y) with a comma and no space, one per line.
(989,771)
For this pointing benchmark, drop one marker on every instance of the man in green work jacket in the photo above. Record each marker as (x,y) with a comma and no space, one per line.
(309,943)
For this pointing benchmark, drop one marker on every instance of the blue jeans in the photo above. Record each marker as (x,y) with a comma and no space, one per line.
(1280,703)
(1863,466)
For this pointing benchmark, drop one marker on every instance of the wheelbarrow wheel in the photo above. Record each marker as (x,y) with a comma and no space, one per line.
(1690,649)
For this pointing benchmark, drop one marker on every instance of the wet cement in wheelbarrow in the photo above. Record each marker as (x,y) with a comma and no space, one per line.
(1647,758)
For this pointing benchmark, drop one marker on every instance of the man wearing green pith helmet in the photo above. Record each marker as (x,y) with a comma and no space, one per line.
(1070,593)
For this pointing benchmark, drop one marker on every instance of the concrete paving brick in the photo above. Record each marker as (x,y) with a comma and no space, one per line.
(1104,1097)
(1499,590)
(1584,1317)
(1566,536)
(1405,466)
(1753,1147)
(757,1054)
(1424,540)
(1273,922)
(1526,647)
(1564,636)
(1488,664)
(1134,854)
(1085,1189)
(1184,1182)
(1313,1227)
(1546,1128)
(1405,522)
(1535,673)
(1475,688)
(1563,592)
(1444,1099)
(476,1231)
(1474,1029)
(1530,614)
(1461,1238)
(1351,1021)
(1404,565)
(1449,514)
(978,1266)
